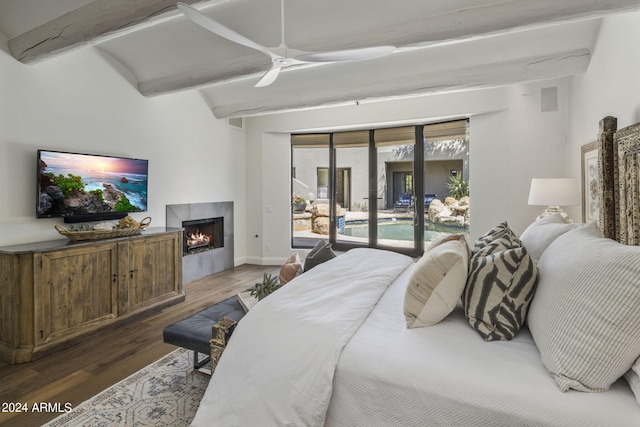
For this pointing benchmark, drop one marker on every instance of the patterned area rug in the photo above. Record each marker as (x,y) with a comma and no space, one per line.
(165,393)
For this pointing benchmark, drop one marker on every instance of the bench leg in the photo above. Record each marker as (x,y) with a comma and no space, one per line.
(198,364)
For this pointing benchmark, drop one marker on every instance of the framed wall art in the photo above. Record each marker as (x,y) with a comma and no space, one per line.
(590,182)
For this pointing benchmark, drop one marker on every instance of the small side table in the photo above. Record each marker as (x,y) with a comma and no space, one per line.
(247,301)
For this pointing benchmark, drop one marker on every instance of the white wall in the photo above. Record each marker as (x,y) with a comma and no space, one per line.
(511,142)
(609,88)
(81,103)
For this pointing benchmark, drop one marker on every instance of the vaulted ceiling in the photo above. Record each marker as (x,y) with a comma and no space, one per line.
(442,45)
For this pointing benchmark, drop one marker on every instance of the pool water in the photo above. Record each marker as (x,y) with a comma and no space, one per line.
(394,230)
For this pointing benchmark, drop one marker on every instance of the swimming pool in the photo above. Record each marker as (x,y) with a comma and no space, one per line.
(399,229)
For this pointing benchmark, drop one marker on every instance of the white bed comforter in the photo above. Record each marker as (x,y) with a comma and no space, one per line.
(447,375)
(332,348)
(279,366)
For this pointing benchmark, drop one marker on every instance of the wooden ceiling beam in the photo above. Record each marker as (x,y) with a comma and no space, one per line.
(218,73)
(480,76)
(89,24)
(102,19)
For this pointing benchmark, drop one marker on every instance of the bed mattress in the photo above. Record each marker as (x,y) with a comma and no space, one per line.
(447,375)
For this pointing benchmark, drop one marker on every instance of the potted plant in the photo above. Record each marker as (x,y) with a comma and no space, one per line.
(299,203)
(458,187)
(269,284)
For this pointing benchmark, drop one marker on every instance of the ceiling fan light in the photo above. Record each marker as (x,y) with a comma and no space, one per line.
(283,59)
(270,76)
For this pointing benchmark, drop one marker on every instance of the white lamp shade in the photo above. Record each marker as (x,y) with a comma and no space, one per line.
(554,192)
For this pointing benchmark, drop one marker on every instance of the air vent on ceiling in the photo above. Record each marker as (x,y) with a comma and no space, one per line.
(235,122)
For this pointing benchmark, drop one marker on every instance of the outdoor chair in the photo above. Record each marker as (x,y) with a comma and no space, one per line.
(404,202)
(428,198)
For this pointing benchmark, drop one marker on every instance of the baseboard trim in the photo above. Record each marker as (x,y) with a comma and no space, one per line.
(264,261)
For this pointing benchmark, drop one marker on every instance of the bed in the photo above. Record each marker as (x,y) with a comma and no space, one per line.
(333,347)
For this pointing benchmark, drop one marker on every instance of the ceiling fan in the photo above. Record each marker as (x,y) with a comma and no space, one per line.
(282,56)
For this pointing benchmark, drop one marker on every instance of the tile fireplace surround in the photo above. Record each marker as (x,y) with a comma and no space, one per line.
(198,265)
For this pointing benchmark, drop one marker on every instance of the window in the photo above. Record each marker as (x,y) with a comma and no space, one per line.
(359,178)
(396,219)
(310,160)
(322,178)
(351,196)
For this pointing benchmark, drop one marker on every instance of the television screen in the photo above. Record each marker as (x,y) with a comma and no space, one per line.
(87,187)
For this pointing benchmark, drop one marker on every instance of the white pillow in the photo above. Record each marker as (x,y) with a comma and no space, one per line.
(436,282)
(540,234)
(584,317)
(633,378)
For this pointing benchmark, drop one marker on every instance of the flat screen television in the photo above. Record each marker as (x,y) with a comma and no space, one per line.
(88,187)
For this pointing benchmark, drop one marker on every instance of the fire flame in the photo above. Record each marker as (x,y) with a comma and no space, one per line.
(198,239)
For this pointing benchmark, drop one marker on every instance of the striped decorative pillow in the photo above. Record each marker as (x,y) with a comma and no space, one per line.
(499,289)
(499,238)
(585,318)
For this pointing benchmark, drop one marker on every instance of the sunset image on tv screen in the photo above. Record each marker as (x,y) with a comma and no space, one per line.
(79,184)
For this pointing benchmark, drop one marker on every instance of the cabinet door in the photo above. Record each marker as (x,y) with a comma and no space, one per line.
(153,270)
(76,291)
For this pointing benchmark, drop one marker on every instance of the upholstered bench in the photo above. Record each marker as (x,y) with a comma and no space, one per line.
(194,332)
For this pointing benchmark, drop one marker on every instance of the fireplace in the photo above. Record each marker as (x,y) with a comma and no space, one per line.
(202,235)
(196,262)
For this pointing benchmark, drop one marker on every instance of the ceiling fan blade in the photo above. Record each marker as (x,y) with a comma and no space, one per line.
(346,55)
(270,76)
(221,30)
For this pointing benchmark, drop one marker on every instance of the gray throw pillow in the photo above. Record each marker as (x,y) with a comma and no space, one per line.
(322,252)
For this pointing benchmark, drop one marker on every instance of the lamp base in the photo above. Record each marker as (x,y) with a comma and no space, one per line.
(554,210)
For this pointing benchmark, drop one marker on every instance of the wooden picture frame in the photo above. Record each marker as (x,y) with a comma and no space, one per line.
(590,182)
(627,142)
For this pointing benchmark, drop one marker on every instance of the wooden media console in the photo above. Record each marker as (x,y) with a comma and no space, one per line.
(54,293)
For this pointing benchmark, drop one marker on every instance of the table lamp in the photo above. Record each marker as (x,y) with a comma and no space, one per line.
(553,193)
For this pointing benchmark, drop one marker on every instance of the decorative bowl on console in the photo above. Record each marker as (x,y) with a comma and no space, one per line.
(126,227)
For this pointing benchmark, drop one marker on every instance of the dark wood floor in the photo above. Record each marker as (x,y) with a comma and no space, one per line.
(77,373)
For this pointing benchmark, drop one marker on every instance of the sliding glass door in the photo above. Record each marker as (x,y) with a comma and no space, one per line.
(445,177)
(391,188)
(351,188)
(310,181)
(397,220)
